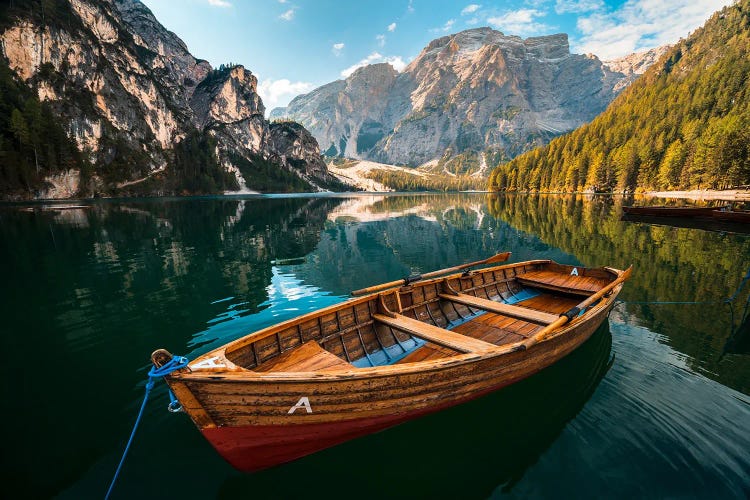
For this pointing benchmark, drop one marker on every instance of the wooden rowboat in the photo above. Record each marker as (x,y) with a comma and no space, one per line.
(410,348)
(732,215)
(662,211)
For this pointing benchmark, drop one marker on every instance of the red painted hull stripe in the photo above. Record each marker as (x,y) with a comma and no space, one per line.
(255,447)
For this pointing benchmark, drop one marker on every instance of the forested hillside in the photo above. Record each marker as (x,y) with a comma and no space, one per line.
(684,124)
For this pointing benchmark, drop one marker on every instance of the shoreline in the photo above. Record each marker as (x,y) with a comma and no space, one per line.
(695,194)
(704,194)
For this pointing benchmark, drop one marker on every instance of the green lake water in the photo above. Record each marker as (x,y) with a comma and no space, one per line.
(655,404)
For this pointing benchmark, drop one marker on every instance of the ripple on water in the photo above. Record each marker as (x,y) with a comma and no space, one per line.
(654,428)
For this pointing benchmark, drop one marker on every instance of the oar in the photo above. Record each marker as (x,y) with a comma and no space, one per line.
(501,257)
(572,313)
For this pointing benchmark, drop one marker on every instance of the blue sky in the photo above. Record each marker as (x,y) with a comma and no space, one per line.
(294,46)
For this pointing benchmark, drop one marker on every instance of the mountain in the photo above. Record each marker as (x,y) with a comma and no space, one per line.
(477,91)
(148,117)
(634,65)
(684,124)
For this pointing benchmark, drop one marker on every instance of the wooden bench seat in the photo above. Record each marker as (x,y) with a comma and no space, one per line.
(437,335)
(309,357)
(577,285)
(524,313)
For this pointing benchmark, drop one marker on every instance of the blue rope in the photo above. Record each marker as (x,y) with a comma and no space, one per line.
(176,363)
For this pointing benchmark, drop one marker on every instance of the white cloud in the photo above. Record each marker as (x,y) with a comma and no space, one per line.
(470,9)
(446,27)
(337,48)
(392,27)
(380,39)
(577,6)
(520,22)
(410,7)
(288,15)
(219,3)
(277,93)
(641,24)
(282,1)
(396,61)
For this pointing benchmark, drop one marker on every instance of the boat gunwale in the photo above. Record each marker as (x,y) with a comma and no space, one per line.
(240,374)
(277,327)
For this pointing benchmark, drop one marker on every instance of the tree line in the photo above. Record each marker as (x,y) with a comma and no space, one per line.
(683,125)
(405,181)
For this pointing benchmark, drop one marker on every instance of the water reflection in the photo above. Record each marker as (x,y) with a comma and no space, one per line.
(88,295)
(671,265)
(652,429)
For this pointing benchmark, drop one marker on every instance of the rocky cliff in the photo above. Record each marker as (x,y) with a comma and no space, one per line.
(471,93)
(634,65)
(128,91)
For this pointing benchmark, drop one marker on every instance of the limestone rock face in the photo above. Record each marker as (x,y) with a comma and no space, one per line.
(476,91)
(297,146)
(226,97)
(118,78)
(634,65)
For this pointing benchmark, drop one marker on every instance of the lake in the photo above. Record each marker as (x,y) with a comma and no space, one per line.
(655,404)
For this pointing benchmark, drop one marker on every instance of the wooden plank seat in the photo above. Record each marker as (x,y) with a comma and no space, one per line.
(437,335)
(524,313)
(309,357)
(578,285)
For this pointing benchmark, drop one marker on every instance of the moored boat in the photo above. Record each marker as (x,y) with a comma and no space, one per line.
(403,350)
(732,215)
(703,223)
(664,211)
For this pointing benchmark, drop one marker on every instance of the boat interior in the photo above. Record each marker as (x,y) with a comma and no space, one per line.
(474,312)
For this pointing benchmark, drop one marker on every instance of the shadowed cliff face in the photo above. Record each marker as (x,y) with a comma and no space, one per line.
(473,92)
(120,81)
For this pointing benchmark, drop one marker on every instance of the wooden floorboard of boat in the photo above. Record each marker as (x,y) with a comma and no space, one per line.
(553,304)
(434,334)
(581,285)
(427,352)
(308,357)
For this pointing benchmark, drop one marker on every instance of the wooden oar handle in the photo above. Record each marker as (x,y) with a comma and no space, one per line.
(375,288)
(501,257)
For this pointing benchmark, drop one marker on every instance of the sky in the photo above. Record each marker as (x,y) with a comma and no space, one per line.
(295,46)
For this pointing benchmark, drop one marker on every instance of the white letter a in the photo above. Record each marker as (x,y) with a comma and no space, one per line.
(302,403)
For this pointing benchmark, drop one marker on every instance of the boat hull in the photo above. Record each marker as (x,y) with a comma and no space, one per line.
(732,216)
(671,211)
(259,432)
(251,448)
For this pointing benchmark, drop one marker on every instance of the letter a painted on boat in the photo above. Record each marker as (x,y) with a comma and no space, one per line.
(302,403)
(574,272)
(209,363)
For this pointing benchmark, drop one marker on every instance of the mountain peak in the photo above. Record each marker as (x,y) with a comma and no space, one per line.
(378,70)
(468,92)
